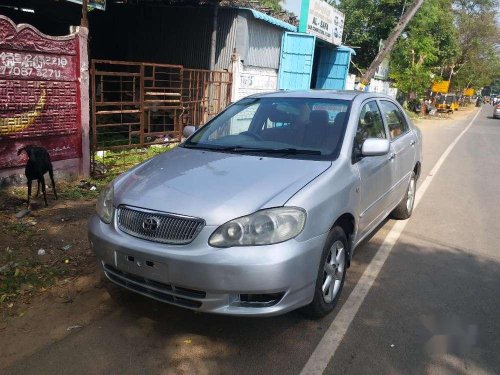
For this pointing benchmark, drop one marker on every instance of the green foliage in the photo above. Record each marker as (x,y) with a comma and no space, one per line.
(444,36)
(271,4)
(366,23)
(479,34)
(431,40)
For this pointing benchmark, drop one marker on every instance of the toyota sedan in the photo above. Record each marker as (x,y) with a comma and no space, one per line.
(260,210)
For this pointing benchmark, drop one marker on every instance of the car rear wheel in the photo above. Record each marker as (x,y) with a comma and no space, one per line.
(331,275)
(405,208)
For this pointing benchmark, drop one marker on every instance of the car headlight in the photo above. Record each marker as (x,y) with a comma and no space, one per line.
(263,227)
(105,204)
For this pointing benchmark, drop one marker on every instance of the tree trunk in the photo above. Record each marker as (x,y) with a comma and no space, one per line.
(391,40)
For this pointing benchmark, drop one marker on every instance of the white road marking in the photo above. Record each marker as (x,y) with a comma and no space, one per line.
(330,342)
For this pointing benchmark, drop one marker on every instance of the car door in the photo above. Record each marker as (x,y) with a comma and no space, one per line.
(376,172)
(403,147)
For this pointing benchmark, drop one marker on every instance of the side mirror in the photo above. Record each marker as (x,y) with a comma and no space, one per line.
(375,147)
(189,130)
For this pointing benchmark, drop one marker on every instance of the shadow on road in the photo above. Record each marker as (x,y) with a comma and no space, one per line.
(437,306)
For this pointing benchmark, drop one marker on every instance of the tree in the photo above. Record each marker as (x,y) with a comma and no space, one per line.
(431,41)
(446,38)
(366,23)
(391,40)
(478,60)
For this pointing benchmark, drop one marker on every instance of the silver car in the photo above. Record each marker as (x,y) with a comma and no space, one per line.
(259,212)
(496,110)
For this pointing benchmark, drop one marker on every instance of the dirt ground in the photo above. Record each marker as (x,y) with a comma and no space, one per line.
(49,281)
(45,249)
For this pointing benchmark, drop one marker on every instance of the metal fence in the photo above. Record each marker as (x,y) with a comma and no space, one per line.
(137,105)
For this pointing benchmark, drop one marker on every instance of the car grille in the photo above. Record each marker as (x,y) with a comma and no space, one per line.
(158,226)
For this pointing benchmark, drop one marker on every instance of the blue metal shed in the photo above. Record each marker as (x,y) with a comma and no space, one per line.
(299,70)
(333,67)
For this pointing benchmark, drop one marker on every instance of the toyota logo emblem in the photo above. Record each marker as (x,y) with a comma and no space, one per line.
(150,224)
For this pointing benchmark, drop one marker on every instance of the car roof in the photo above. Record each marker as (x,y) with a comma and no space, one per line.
(320,94)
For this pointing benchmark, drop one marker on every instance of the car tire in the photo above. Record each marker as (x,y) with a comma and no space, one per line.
(324,302)
(405,208)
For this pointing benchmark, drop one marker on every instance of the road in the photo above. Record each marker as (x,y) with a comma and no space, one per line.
(433,307)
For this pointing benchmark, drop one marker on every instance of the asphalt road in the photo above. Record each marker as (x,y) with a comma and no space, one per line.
(434,307)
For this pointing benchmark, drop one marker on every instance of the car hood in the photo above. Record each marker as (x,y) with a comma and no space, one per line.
(214,186)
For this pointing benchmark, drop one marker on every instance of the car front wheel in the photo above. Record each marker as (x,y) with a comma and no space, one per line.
(331,275)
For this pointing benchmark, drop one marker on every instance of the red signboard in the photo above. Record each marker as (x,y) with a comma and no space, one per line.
(39,93)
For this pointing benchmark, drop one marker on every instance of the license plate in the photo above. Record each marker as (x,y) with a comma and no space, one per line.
(142,266)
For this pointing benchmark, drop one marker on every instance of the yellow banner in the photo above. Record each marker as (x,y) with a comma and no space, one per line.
(468,92)
(441,86)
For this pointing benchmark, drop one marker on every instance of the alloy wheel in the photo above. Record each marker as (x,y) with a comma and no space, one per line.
(333,271)
(410,196)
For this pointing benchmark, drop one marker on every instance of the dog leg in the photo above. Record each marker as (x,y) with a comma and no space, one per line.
(43,191)
(51,174)
(29,191)
(37,189)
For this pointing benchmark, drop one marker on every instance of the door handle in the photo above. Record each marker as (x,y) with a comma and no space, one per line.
(392,156)
(412,143)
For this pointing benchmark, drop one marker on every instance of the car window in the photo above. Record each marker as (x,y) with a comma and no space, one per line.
(312,126)
(237,124)
(370,125)
(395,119)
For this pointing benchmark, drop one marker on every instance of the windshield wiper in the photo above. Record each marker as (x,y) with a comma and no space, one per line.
(287,151)
(201,147)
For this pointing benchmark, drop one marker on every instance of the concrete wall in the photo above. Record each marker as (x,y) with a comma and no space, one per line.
(248,80)
(43,99)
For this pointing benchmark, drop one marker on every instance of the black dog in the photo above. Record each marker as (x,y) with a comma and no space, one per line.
(38,164)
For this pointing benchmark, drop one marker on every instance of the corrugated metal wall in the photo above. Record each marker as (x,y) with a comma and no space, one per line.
(226,37)
(181,35)
(258,43)
(169,35)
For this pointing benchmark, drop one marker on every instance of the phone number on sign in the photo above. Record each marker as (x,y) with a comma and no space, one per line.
(16,71)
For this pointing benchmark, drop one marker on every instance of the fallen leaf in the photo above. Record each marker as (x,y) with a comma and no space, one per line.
(187,341)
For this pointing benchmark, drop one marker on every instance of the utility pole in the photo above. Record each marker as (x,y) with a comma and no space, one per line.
(391,40)
(213,39)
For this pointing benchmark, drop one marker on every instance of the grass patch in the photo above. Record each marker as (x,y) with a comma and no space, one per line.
(19,228)
(412,115)
(117,162)
(22,276)
(83,189)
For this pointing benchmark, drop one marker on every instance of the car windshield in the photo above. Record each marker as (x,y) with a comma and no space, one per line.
(282,127)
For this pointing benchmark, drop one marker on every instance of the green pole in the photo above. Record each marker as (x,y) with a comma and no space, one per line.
(304,13)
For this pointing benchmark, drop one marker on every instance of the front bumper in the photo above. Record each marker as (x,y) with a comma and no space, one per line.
(200,277)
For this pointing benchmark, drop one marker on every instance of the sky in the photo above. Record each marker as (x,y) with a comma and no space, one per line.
(292,6)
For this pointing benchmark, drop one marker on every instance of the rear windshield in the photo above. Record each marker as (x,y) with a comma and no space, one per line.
(282,127)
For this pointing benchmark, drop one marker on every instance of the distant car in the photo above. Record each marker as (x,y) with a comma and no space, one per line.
(259,212)
(496,111)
